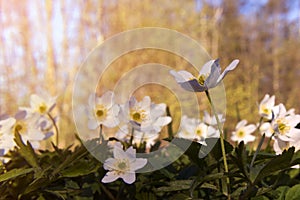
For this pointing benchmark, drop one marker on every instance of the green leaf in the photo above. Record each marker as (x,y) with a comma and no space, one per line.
(177,185)
(280,162)
(260,198)
(216,151)
(200,180)
(191,149)
(181,197)
(27,151)
(240,159)
(14,173)
(282,192)
(80,168)
(145,196)
(293,193)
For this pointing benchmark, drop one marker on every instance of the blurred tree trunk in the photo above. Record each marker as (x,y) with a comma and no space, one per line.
(50,79)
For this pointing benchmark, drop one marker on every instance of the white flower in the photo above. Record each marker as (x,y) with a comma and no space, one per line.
(29,127)
(102,110)
(6,138)
(194,129)
(243,132)
(145,116)
(284,124)
(41,105)
(203,81)
(123,165)
(266,128)
(211,120)
(266,107)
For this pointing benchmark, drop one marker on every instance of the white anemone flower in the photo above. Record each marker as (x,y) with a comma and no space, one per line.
(145,116)
(266,107)
(102,110)
(203,81)
(6,138)
(284,124)
(40,104)
(123,165)
(194,129)
(211,120)
(266,128)
(29,127)
(243,132)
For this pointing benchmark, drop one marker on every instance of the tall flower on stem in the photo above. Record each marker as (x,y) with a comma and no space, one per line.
(202,83)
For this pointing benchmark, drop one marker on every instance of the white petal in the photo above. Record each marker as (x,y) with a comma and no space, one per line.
(119,153)
(109,163)
(182,76)
(131,152)
(138,164)
(107,99)
(92,124)
(128,178)
(7,123)
(110,177)
(241,124)
(35,100)
(146,103)
(230,67)
(162,121)
(206,68)
(250,128)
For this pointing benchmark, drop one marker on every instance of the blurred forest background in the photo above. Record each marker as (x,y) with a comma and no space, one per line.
(43,43)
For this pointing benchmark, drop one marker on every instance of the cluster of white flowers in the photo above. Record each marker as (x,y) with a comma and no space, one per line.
(280,124)
(198,130)
(142,121)
(139,122)
(32,123)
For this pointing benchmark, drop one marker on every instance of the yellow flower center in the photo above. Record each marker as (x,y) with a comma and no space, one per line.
(241,133)
(42,108)
(202,78)
(20,127)
(138,115)
(121,166)
(283,126)
(101,112)
(199,132)
(265,110)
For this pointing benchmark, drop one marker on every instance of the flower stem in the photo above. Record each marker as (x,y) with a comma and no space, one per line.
(221,138)
(55,127)
(100,133)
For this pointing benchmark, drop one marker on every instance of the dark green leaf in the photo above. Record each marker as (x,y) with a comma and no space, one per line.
(26,151)
(14,173)
(293,193)
(280,162)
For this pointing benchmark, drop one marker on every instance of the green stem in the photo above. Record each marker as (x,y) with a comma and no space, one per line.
(131,136)
(100,134)
(221,138)
(55,127)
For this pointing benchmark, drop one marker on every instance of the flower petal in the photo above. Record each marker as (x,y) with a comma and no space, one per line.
(230,67)
(128,178)
(109,177)
(138,164)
